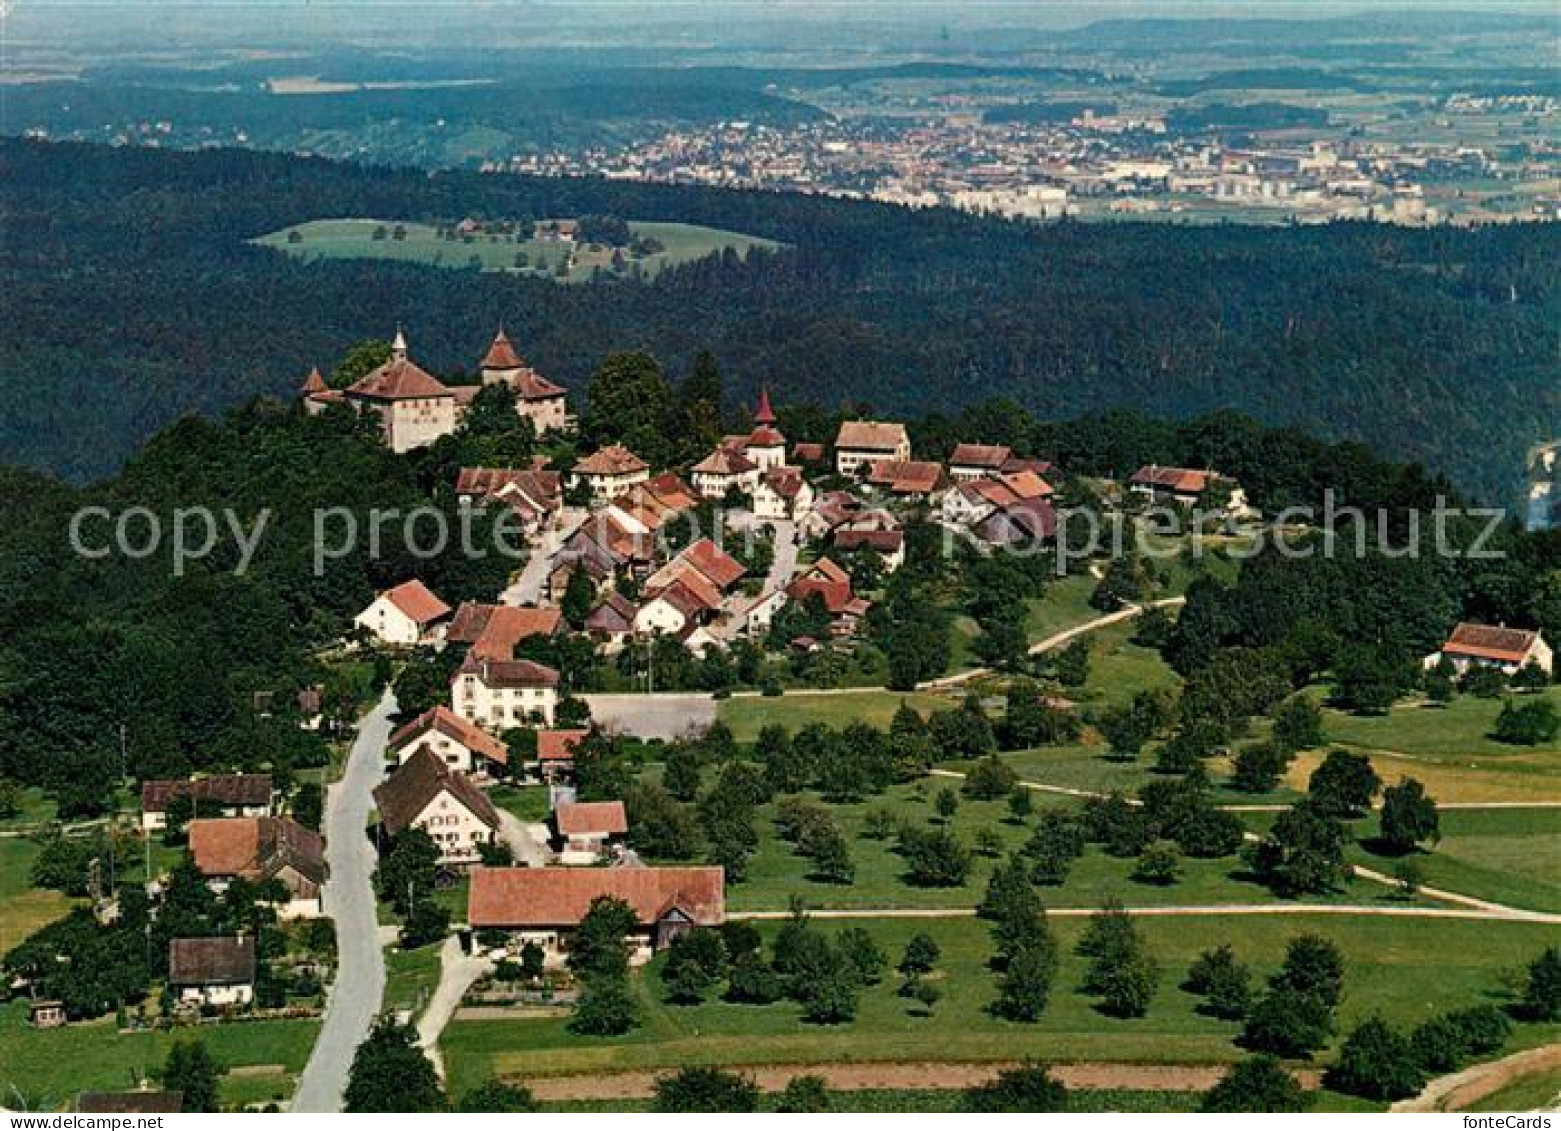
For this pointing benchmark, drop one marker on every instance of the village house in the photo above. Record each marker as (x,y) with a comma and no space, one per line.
(500,694)
(688,591)
(584,830)
(534,495)
(754,616)
(646,507)
(260,849)
(782,495)
(862,443)
(1509,650)
(1024,522)
(726,469)
(807,454)
(493,631)
(216,973)
(1182,485)
(832,585)
(220,795)
(556,754)
(830,510)
(45,1013)
(425,793)
(887,544)
(459,744)
(916,480)
(536,398)
(609,472)
(406,615)
(975,461)
(545,905)
(611,622)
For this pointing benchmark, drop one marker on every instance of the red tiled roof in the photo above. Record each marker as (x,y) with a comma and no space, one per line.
(406,794)
(723,461)
(237,790)
(989,456)
(256,848)
(585,817)
(314,383)
(558,745)
(614,459)
(398,379)
(508,625)
(501,355)
(417,601)
(765,436)
(764,414)
(714,562)
(826,579)
(1488,642)
(807,453)
(1027,485)
(1180,480)
(614,614)
(560,897)
(871,435)
(140,1102)
(906,476)
(447,722)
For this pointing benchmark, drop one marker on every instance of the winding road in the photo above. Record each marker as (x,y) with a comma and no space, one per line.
(354,999)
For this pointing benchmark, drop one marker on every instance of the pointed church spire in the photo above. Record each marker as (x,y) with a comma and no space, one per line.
(398,348)
(764,414)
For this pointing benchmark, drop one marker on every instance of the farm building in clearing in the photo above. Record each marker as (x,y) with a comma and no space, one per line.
(545,905)
(1509,650)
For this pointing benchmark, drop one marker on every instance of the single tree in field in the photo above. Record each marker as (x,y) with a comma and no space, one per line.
(1408,816)
(1377,1062)
(390,1073)
(921,955)
(1344,785)
(706,1090)
(1258,1084)
(1542,994)
(1028,1088)
(190,1069)
(495,1096)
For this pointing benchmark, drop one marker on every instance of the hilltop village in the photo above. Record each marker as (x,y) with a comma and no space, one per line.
(731,696)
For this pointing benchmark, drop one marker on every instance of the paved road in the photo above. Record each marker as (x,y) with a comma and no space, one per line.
(354,1000)
(527,588)
(527,840)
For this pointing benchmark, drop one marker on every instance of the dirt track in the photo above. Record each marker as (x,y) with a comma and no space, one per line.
(1459,1090)
(922,1075)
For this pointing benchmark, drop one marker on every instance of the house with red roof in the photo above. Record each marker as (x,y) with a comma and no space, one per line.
(609,472)
(406,615)
(1508,650)
(545,905)
(537,399)
(862,443)
(584,831)
(832,585)
(493,631)
(501,694)
(459,743)
(262,848)
(556,753)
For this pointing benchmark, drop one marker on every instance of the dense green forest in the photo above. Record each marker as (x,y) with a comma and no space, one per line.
(131,296)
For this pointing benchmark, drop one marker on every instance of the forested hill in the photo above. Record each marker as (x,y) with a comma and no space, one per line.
(131,295)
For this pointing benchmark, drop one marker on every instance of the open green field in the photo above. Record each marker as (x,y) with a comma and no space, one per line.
(50,1067)
(354,239)
(1390,965)
(1088,766)
(411,975)
(23,908)
(775,873)
(528,802)
(747,714)
(1512,856)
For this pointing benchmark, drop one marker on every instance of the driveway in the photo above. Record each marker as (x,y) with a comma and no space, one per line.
(457,971)
(355,996)
(527,588)
(526,839)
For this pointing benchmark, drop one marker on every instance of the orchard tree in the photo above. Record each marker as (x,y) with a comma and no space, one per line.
(1259,1085)
(1377,1062)
(1344,785)
(1408,817)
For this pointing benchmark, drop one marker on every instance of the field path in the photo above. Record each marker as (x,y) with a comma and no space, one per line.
(909,1075)
(1460,1089)
(1475,909)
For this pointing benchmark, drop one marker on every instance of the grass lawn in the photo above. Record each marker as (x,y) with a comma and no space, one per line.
(1119,669)
(748,713)
(23,908)
(354,239)
(1512,856)
(528,802)
(1390,965)
(50,1067)
(1088,767)
(411,975)
(1457,734)
(36,809)
(1065,605)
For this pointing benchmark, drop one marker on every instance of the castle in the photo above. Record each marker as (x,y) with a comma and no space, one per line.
(415,408)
